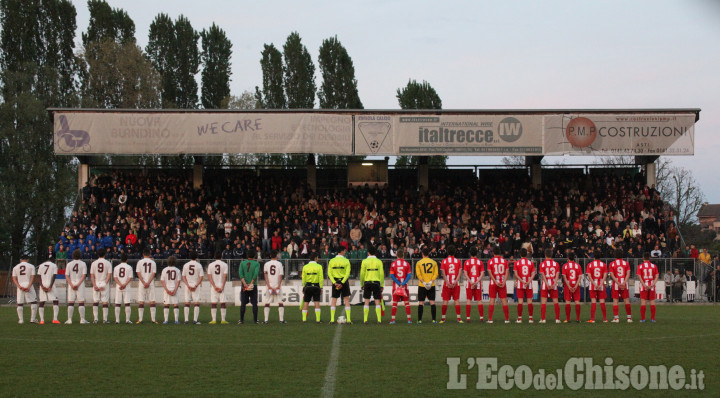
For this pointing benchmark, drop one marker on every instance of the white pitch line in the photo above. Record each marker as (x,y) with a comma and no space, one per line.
(329,388)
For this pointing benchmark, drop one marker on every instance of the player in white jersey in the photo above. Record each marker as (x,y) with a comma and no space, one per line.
(100,272)
(75,272)
(217,275)
(146,270)
(273,270)
(192,276)
(23,275)
(48,272)
(170,278)
(122,274)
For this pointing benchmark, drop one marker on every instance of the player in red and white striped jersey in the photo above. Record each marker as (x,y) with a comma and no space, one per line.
(451,268)
(648,275)
(524,270)
(597,273)
(572,272)
(498,270)
(473,270)
(400,273)
(550,275)
(620,273)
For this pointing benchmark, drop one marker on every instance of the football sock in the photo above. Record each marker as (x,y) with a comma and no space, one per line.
(213,312)
(393,311)
(127,312)
(317,314)
(105,312)
(41,313)
(176,313)
(652,311)
(81,309)
(491,309)
(480,310)
(468,310)
(421,308)
(267,313)
(616,310)
(604,311)
(506,311)
(458,311)
(166,312)
(407,310)
(255,313)
(543,311)
(332,313)
(347,313)
(117,313)
(378,313)
(223,312)
(242,313)
(592,311)
(141,312)
(577,311)
(519,309)
(196,312)
(642,312)
(444,311)
(186,312)
(153,311)
(530,309)
(304,314)
(366,311)
(71,310)
(34,308)
(281,310)
(628,310)
(95,312)
(567,311)
(20,312)
(433,311)
(56,309)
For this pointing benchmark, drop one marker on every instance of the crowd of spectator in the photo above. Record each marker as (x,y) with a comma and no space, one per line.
(127,211)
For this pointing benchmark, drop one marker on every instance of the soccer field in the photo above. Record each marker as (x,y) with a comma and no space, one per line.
(292,360)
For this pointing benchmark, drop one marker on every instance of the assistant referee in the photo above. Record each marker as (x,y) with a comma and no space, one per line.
(312,280)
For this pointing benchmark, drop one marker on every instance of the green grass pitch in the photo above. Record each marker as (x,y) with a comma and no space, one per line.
(375,360)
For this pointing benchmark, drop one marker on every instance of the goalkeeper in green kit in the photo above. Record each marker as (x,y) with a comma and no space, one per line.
(372,278)
(312,280)
(338,273)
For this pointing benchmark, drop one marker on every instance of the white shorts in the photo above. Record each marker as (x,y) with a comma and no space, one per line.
(193,297)
(47,296)
(216,297)
(146,295)
(76,295)
(26,297)
(122,296)
(273,298)
(168,299)
(102,296)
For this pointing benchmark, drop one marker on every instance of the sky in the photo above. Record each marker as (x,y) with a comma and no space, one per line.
(491,55)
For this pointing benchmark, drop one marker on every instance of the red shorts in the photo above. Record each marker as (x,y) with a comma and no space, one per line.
(570,296)
(648,295)
(453,293)
(473,294)
(524,293)
(598,294)
(620,294)
(496,291)
(552,294)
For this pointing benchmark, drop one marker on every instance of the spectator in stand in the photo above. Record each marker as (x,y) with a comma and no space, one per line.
(656,253)
(704,257)
(694,252)
(677,286)
(668,279)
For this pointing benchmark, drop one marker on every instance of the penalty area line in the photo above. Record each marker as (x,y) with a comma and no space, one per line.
(330,373)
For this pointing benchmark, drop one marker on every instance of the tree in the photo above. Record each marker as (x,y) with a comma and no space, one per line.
(108,23)
(272,95)
(216,52)
(161,50)
(419,96)
(299,74)
(37,70)
(338,89)
(683,194)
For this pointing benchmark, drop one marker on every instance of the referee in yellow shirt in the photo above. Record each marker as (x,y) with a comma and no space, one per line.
(427,272)
(372,278)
